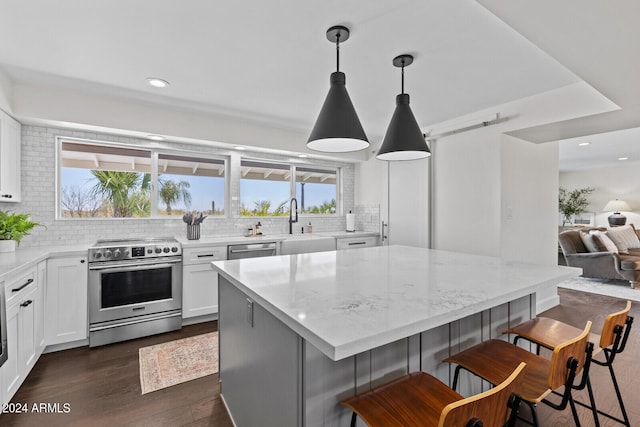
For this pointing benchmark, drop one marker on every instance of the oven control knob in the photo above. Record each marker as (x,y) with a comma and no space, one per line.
(174,249)
(165,250)
(107,253)
(97,255)
(117,253)
(158,250)
(126,253)
(149,251)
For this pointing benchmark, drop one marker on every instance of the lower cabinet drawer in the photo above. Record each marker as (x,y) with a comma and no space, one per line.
(357,242)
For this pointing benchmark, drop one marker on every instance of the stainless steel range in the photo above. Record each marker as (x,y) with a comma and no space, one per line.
(135,289)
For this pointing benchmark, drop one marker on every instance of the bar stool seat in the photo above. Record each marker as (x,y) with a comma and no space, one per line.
(494,359)
(419,399)
(550,333)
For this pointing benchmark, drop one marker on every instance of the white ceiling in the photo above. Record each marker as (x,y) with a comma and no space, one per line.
(270,61)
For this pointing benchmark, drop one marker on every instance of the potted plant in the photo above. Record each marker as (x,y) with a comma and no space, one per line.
(13,227)
(572,202)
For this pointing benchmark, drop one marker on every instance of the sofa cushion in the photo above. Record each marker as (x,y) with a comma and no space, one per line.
(624,237)
(592,243)
(605,241)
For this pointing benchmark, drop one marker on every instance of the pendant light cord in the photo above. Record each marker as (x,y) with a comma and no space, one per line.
(402,76)
(338,52)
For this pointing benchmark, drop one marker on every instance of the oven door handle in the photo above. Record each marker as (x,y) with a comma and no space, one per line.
(150,265)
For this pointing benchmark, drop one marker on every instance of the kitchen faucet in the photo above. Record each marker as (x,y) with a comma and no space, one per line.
(294,201)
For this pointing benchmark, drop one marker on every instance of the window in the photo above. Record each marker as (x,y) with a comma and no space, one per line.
(266,189)
(316,190)
(190,183)
(107,181)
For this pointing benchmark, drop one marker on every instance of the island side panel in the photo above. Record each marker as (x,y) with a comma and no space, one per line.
(260,369)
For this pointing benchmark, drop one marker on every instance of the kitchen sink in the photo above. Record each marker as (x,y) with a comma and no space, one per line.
(305,243)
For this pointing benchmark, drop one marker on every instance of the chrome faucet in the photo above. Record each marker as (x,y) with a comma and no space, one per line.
(293,202)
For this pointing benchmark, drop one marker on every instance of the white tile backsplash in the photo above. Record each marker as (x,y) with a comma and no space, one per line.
(39,198)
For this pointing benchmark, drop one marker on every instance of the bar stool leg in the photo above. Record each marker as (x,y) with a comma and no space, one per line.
(354,417)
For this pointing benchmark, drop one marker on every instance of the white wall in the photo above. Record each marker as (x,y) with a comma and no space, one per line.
(621,182)
(6,94)
(529,183)
(106,112)
(477,174)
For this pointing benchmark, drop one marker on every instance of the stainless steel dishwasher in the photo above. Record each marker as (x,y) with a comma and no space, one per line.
(252,250)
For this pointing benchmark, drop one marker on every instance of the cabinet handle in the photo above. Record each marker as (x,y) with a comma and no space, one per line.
(206,256)
(26,303)
(6,196)
(30,281)
(357,243)
(81,261)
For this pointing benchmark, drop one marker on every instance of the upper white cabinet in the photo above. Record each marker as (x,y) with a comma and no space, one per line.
(66,300)
(9,159)
(200,281)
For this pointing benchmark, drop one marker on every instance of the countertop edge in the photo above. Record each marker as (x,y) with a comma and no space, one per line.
(342,351)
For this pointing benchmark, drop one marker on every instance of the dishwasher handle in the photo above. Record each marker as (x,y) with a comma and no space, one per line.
(240,251)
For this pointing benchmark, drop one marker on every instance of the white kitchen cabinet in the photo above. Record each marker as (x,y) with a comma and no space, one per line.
(200,281)
(9,158)
(40,320)
(23,307)
(66,300)
(356,242)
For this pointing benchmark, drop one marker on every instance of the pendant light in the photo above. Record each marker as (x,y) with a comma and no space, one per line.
(338,128)
(404,139)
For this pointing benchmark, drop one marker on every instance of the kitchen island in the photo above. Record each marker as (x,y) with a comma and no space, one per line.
(299,333)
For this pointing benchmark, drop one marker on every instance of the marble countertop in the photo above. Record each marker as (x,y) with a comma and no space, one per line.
(11,262)
(347,302)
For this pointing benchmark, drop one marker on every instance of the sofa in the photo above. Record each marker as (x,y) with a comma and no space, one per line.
(610,254)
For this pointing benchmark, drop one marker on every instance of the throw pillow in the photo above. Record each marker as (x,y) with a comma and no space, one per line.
(624,237)
(592,243)
(605,241)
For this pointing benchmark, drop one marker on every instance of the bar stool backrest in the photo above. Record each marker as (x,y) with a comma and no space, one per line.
(489,407)
(608,335)
(574,348)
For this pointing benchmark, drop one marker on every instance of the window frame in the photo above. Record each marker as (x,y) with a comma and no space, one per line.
(154,152)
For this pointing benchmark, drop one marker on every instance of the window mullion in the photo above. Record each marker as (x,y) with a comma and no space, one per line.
(154,184)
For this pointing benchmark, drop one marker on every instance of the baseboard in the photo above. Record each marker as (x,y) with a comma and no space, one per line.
(66,346)
(199,319)
(546,303)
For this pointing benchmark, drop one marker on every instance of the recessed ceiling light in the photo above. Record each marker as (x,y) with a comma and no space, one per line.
(584,144)
(241,148)
(156,137)
(623,158)
(302,155)
(156,82)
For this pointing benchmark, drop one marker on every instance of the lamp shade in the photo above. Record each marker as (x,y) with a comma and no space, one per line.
(404,139)
(617,206)
(338,128)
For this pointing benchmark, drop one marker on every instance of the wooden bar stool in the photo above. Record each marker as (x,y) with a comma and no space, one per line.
(419,399)
(612,340)
(494,360)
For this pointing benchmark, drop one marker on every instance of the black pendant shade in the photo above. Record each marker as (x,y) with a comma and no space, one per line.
(404,140)
(338,128)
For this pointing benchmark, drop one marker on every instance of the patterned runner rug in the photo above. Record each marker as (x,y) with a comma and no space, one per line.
(612,288)
(175,362)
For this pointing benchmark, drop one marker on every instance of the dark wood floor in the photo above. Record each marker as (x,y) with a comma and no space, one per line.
(102,385)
